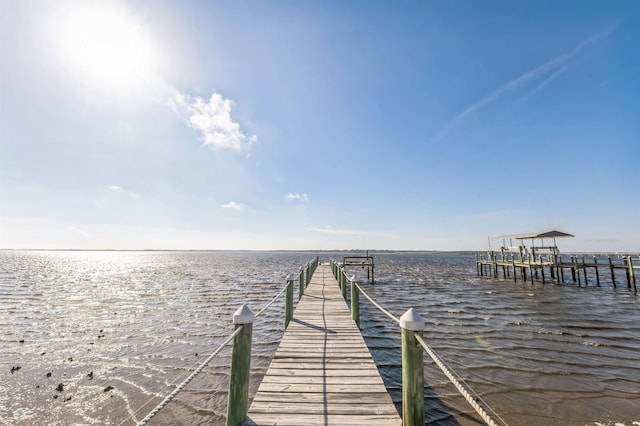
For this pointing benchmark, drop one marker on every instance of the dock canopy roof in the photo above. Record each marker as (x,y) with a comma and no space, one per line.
(534,235)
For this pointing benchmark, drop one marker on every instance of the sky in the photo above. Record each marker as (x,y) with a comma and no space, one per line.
(301,125)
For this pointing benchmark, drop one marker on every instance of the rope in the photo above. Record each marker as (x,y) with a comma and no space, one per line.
(458,386)
(389,314)
(447,371)
(197,371)
(188,379)
(272,301)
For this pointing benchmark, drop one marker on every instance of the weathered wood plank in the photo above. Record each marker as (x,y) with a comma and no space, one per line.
(314,380)
(331,398)
(322,419)
(314,408)
(275,370)
(322,373)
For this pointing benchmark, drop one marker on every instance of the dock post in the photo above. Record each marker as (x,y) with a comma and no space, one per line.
(595,264)
(355,301)
(238,402)
(477,268)
(632,274)
(307,277)
(344,285)
(530,271)
(301,284)
(288,310)
(573,269)
(412,369)
(584,269)
(495,265)
(542,270)
(513,262)
(613,274)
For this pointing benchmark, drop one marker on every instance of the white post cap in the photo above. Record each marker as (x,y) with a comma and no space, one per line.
(411,320)
(353,277)
(244,315)
(288,277)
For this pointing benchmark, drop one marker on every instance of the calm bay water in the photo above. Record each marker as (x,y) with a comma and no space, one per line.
(118,329)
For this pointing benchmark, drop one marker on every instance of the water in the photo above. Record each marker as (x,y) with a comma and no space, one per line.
(118,329)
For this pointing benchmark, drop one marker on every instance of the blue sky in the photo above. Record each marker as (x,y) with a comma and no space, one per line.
(318,125)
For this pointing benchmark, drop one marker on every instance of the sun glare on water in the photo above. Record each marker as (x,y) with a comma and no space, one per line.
(104,46)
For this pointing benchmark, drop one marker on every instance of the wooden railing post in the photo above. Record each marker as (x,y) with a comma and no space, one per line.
(412,369)
(238,399)
(355,301)
(344,285)
(632,274)
(288,311)
(301,284)
(613,274)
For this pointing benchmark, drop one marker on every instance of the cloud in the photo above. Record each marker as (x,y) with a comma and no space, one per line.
(549,70)
(347,232)
(213,120)
(232,205)
(79,231)
(297,197)
(117,189)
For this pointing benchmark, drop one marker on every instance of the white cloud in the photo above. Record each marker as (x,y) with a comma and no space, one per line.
(79,231)
(117,189)
(213,120)
(347,232)
(234,206)
(550,70)
(297,197)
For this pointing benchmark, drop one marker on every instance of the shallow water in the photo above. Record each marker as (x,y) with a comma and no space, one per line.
(119,329)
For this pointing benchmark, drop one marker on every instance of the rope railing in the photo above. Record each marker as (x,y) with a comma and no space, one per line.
(464,392)
(243,318)
(182,385)
(411,323)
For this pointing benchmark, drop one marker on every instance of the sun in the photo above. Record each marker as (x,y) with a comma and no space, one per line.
(104,46)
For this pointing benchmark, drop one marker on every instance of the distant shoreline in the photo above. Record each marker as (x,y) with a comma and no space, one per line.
(377,251)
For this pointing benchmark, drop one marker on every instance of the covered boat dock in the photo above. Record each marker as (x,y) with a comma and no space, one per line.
(545,262)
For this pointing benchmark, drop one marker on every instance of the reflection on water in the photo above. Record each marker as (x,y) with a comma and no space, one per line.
(119,329)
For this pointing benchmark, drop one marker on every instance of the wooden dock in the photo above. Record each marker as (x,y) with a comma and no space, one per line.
(322,372)
(491,263)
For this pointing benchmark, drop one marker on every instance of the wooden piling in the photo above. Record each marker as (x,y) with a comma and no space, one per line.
(595,264)
(301,284)
(613,275)
(238,400)
(288,310)
(632,274)
(344,285)
(355,301)
(412,369)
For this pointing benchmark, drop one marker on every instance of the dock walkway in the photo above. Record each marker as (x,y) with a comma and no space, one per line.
(322,372)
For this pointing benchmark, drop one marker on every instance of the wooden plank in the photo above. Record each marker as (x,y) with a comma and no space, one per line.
(322,419)
(332,398)
(314,408)
(322,373)
(345,379)
(275,370)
